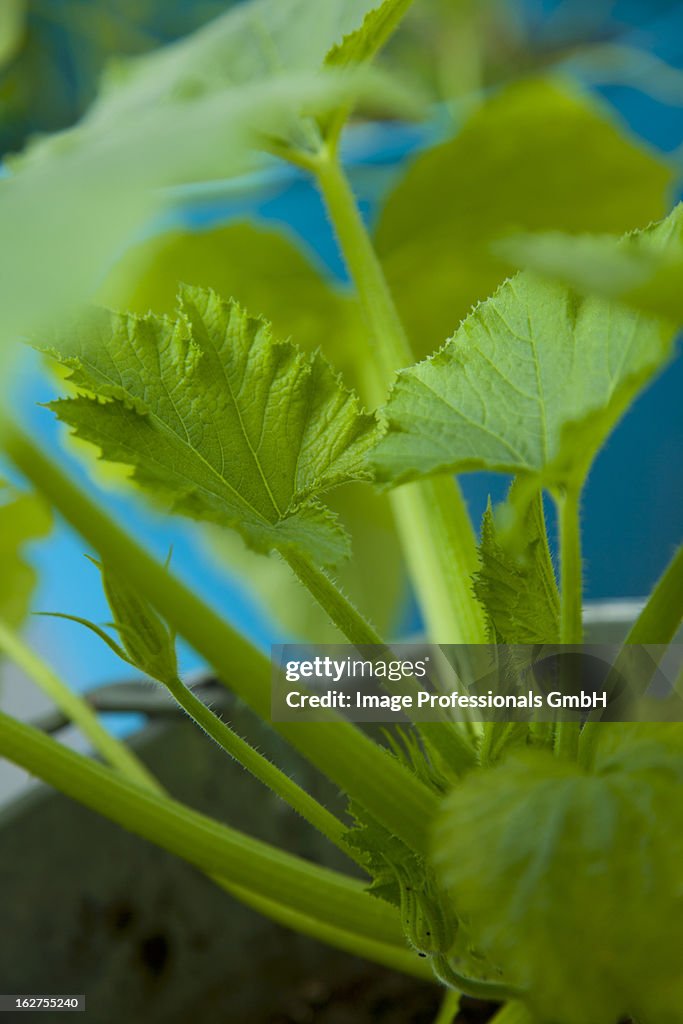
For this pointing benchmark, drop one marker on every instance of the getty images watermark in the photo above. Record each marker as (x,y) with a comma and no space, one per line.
(482,682)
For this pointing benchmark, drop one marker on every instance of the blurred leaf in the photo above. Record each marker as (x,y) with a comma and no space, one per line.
(365,41)
(264,270)
(535,156)
(536,854)
(643,270)
(12,18)
(195,109)
(531,383)
(23,518)
(219,419)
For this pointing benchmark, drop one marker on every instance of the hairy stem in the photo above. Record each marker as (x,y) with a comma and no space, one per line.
(259,766)
(360,767)
(341,611)
(431,517)
(571,605)
(122,758)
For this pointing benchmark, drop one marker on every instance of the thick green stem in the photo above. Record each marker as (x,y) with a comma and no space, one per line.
(76,708)
(571,603)
(661,617)
(216,849)
(657,624)
(431,517)
(360,767)
(259,766)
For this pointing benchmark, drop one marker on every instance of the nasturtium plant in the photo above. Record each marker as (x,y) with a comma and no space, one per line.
(531,863)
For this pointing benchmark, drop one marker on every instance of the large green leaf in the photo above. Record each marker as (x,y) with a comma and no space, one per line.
(23,518)
(644,270)
(572,882)
(219,419)
(535,156)
(531,383)
(265,270)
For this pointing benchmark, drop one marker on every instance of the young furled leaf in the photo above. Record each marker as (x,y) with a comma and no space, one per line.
(23,518)
(219,419)
(536,852)
(644,270)
(518,588)
(531,383)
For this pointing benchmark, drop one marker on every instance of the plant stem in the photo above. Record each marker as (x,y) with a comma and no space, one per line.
(571,624)
(660,619)
(341,611)
(571,608)
(214,848)
(431,517)
(76,708)
(120,756)
(513,1013)
(354,762)
(658,623)
(259,766)
(445,737)
(449,1007)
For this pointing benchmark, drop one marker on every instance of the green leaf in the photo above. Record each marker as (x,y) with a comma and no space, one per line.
(644,270)
(537,853)
(23,518)
(517,587)
(266,270)
(535,156)
(532,382)
(219,419)
(364,42)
